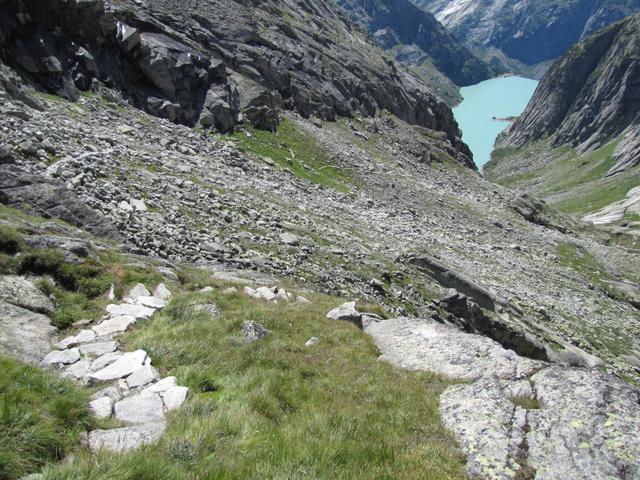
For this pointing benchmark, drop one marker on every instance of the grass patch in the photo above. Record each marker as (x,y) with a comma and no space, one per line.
(292,150)
(526,403)
(41,418)
(10,241)
(277,409)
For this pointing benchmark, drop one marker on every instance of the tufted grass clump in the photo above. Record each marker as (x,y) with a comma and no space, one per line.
(41,418)
(276,409)
(10,241)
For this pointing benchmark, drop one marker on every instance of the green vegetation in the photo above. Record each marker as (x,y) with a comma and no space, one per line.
(578,259)
(78,289)
(572,183)
(41,418)
(526,403)
(275,408)
(290,149)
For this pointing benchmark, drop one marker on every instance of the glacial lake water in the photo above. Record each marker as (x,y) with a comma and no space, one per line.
(499,97)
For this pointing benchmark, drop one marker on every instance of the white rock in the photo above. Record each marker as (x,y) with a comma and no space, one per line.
(112,392)
(249,291)
(62,357)
(162,386)
(301,299)
(312,341)
(152,302)
(123,367)
(142,377)
(138,205)
(105,360)
(137,311)
(140,409)
(346,312)
(207,290)
(289,239)
(115,324)
(98,349)
(102,407)
(67,343)
(230,291)
(174,397)
(78,370)
(83,337)
(125,206)
(125,439)
(162,292)
(112,293)
(86,336)
(266,293)
(136,292)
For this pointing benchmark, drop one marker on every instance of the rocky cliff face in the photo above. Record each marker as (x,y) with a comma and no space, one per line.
(217,66)
(417,38)
(531,31)
(589,97)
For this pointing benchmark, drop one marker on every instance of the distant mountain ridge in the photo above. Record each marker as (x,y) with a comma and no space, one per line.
(530,31)
(589,97)
(418,40)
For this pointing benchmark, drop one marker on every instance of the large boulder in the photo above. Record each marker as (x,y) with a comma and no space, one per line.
(23,293)
(25,335)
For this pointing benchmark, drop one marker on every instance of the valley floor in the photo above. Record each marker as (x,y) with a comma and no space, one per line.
(335,211)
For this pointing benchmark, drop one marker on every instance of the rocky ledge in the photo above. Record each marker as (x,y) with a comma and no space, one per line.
(517,418)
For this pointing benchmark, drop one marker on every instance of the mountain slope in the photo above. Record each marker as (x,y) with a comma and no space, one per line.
(530,31)
(417,39)
(589,101)
(216,66)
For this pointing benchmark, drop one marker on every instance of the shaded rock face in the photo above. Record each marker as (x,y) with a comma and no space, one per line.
(45,197)
(590,96)
(399,22)
(220,64)
(531,31)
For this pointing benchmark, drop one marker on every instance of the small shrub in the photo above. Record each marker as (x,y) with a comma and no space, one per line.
(42,262)
(10,242)
(88,278)
(8,264)
(70,306)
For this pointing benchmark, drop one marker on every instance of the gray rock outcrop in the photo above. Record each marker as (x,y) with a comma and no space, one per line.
(519,418)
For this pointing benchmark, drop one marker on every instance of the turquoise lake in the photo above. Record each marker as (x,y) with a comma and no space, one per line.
(499,97)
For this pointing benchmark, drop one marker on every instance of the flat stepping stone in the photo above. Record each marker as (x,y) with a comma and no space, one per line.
(142,377)
(140,409)
(115,324)
(125,439)
(105,360)
(162,386)
(121,368)
(84,336)
(98,349)
(152,302)
(174,397)
(136,311)
(102,407)
(78,370)
(62,357)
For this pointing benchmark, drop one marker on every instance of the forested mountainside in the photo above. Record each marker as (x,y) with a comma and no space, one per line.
(530,31)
